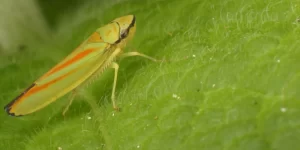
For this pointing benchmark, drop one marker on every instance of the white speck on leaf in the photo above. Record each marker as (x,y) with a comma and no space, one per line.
(138,146)
(213,85)
(175,96)
(59,148)
(194,56)
(278,60)
(283,109)
(113,114)
(89,117)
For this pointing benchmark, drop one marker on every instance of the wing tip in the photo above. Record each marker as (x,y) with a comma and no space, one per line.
(7,109)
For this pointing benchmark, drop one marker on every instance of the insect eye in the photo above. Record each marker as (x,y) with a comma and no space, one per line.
(124,34)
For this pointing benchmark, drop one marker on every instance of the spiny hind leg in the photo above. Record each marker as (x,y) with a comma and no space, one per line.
(71,98)
(115,66)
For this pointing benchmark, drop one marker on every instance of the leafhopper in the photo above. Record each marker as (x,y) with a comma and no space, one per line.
(89,59)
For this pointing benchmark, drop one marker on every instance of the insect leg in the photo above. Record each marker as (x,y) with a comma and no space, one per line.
(71,98)
(115,66)
(139,54)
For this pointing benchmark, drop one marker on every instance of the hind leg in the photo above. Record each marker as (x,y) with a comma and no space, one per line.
(71,98)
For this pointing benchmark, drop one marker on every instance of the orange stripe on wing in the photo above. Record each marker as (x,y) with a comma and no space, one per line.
(37,88)
(71,61)
(43,86)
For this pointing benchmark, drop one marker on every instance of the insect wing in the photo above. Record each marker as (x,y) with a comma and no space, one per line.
(61,79)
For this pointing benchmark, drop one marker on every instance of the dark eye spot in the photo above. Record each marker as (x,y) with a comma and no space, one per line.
(124,34)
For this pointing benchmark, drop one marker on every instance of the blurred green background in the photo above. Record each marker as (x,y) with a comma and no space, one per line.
(53,9)
(233,83)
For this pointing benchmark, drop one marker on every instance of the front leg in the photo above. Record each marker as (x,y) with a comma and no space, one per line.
(115,66)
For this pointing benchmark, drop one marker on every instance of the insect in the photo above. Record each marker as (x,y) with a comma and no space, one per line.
(89,59)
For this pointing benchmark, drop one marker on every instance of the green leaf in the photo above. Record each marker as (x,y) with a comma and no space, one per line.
(231,83)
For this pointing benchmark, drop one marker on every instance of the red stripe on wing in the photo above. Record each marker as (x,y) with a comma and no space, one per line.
(69,62)
(34,89)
